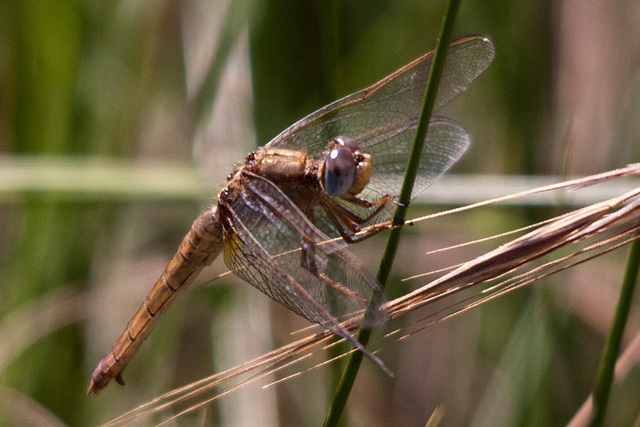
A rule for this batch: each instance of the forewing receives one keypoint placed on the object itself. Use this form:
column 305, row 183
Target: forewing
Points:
column 264, row 247
column 373, row 115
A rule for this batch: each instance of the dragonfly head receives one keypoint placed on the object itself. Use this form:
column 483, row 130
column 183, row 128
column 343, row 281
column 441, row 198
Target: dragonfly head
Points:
column 346, row 169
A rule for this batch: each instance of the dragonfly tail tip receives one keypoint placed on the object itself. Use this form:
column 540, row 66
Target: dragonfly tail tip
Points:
column 92, row 388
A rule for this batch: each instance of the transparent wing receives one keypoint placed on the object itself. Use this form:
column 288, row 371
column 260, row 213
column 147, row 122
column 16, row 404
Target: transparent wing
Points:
column 383, row 118
column 271, row 244
column 269, row 258
column 373, row 115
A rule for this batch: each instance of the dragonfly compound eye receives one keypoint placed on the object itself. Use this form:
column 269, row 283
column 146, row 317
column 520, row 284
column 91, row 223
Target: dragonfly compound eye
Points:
column 339, row 171
column 346, row 142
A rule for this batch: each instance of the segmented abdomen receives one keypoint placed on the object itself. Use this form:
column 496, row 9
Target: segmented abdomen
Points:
column 199, row 248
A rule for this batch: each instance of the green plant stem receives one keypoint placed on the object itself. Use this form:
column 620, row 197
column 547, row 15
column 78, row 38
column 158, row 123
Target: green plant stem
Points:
column 353, row 363
column 604, row 378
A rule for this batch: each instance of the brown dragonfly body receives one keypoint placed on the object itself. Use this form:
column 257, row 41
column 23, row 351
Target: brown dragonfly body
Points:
column 278, row 217
column 297, row 176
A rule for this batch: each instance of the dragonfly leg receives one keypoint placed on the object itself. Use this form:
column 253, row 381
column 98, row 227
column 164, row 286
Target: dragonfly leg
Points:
column 307, row 261
column 341, row 288
column 342, row 218
column 381, row 203
column 384, row 200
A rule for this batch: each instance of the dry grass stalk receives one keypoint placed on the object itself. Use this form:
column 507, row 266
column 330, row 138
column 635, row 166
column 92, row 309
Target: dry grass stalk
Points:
column 599, row 228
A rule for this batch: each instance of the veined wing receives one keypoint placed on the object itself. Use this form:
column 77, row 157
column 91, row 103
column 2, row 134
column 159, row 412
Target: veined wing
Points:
column 382, row 119
column 370, row 115
column 269, row 240
column 445, row 143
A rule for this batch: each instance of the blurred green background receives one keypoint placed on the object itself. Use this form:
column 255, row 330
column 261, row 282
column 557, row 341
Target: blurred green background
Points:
column 120, row 120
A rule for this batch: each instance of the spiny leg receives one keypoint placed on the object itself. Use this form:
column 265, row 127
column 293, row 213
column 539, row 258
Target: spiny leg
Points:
column 381, row 203
column 356, row 219
column 341, row 218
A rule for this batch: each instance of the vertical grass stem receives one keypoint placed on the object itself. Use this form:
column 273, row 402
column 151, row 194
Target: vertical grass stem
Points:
column 604, row 377
column 353, row 362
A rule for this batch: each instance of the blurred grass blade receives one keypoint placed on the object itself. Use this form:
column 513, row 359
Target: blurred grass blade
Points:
column 91, row 179
column 233, row 25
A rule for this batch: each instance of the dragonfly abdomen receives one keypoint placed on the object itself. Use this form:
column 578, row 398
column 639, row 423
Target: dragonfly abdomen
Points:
column 198, row 249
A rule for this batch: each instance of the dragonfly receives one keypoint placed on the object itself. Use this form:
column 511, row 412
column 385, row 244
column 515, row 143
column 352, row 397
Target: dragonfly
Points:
column 287, row 214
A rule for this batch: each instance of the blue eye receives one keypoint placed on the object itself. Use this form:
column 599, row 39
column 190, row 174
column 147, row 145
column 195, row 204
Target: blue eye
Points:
column 339, row 171
column 345, row 141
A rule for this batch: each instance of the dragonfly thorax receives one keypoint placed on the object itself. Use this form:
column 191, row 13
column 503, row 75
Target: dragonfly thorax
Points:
column 292, row 171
